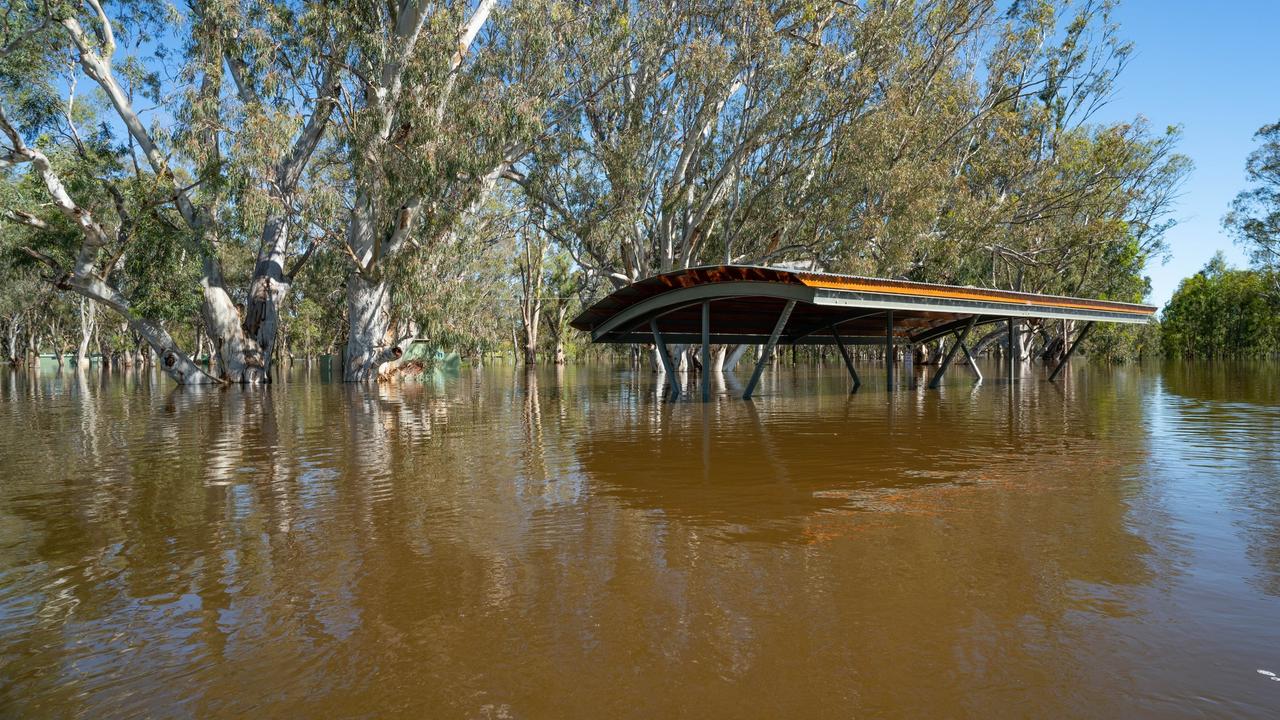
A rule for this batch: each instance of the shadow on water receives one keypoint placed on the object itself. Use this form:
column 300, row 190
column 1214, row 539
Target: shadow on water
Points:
column 565, row 541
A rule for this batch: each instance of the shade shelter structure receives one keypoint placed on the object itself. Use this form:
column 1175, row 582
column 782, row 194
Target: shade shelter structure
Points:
column 765, row 306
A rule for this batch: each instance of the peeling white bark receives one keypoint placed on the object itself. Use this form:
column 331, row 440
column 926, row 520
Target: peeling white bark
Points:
column 88, row 326
column 370, row 345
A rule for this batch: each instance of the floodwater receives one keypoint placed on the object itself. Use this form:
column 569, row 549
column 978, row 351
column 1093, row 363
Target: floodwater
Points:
column 568, row 543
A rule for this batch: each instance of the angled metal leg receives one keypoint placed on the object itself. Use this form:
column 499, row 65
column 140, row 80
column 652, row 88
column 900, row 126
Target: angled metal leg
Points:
column 706, row 351
column 888, row 349
column 973, row 365
column 668, row 366
column 951, row 353
column 767, row 351
column 848, row 362
column 1080, row 336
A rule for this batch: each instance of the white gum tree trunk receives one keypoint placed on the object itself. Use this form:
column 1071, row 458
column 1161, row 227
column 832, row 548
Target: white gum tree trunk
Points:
column 376, row 235
column 88, row 326
column 369, row 341
column 718, row 355
column 655, row 361
column 11, row 339
column 735, row 356
column 239, row 359
column 267, row 292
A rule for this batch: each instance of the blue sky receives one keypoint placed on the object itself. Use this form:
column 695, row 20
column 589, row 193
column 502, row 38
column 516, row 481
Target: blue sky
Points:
column 1214, row 68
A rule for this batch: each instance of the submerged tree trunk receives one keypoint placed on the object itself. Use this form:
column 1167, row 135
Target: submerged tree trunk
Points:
column 200, row 339
column 680, row 356
column 655, row 361
column 239, row 357
column 14, row 328
column 718, row 355
column 369, row 345
column 267, row 291
column 529, row 327
column 735, row 356
column 88, row 326
column 531, row 348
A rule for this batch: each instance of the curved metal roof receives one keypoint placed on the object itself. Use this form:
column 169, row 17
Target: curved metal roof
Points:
column 746, row 302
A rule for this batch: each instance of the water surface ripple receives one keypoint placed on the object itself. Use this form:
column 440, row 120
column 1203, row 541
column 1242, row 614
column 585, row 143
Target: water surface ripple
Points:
column 567, row 543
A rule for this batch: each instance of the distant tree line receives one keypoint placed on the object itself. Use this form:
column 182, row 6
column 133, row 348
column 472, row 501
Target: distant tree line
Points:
column 1223, row 312
column 221, row 185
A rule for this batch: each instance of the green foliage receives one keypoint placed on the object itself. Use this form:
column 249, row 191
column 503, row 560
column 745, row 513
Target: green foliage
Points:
column 1221, row 312
column 1125, row 343
column 1254, row 218
column 937, row 142
column 948, row 141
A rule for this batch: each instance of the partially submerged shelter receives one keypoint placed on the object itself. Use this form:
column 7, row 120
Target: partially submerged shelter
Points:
column 767, row 306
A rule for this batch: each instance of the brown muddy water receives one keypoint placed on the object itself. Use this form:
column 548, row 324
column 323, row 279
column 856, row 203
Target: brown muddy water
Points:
column 567, row 543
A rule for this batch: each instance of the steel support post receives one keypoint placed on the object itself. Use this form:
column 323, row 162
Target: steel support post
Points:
column 951, row 353
column 668, row 366
column 767, row 351
column 888, row 349
column 848, row 362
column 1080, row 336
column 706, row 351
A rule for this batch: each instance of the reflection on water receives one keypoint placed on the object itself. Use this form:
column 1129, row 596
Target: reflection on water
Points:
column 569, row 543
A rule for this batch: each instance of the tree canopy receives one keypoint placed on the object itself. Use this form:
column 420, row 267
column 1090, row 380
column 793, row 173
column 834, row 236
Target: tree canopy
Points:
column 233, row 177
column 1254, row 218
column 1221, row 312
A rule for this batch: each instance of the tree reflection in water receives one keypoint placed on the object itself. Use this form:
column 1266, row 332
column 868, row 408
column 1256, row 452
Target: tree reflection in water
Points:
column 567, row 541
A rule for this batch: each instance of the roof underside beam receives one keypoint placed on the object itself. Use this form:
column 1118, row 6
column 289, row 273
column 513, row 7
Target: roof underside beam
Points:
column 673, row 300
column 693, row 338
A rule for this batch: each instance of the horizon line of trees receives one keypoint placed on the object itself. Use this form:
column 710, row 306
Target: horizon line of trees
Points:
column 247, row 180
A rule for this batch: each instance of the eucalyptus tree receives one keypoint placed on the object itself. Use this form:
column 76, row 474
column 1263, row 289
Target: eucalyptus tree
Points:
column 457, row 293
column 563, row 284
column 931, row 140
column 530, row 261
column 223, row 166
column 1255, row 213
column 71, row 241
column 1223, row 312
column 1053, row 201
column 438, row 101
column 979, row 162
column 675, row 102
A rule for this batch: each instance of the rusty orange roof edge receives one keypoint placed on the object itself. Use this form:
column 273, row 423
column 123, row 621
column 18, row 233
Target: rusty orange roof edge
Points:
column 637, row 291
column 836, row 281
column 906, row 287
